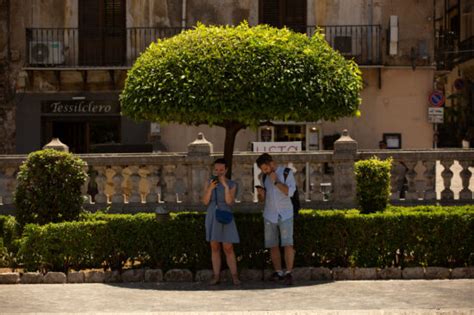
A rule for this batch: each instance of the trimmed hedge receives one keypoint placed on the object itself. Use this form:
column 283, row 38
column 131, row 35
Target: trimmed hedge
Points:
column 373, row 184
column 420, row 236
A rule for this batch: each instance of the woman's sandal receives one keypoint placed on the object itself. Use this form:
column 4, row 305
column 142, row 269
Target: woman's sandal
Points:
column 235, row 280
column 214, row 281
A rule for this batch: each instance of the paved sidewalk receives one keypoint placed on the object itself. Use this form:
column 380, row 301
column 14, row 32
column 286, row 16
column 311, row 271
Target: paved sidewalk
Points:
column 340, row 297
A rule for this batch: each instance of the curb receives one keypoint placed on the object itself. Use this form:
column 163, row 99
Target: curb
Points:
column 185, row 275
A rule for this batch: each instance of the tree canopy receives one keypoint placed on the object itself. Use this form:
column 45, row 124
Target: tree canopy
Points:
column 239, row 76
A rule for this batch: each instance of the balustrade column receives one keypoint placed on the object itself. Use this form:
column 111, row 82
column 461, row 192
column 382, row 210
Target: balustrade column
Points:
column 85, row 187
column 465, row 174
column 135, row 196
column 411, row 193
column 152, row 179
column 101, row 180
column 169, row 177
column 430, row 180
column 315, row 178
column 117, row 179
column 447, row 174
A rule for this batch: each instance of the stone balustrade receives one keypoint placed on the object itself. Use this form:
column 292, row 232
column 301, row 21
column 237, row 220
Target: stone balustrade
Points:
column 174, row 181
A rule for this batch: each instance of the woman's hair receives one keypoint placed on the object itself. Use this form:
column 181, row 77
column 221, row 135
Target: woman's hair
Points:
column 221, row 161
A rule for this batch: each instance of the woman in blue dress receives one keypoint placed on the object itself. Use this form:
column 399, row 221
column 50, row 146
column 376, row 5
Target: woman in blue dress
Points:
column 220, row 193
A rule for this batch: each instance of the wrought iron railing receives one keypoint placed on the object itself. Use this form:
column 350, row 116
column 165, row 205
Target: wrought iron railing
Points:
column 109, row 47
column 359, row 42
column 449, row 51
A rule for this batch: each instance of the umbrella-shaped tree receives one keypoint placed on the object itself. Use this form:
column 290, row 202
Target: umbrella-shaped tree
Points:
column 240, row 76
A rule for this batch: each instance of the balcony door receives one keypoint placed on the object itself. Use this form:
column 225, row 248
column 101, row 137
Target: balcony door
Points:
column 279, row 13
column 102, row 32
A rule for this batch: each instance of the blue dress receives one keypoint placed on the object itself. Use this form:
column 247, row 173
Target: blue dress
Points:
column 215, row 231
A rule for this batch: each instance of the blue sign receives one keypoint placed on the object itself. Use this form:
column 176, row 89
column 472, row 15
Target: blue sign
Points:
column 437, row 98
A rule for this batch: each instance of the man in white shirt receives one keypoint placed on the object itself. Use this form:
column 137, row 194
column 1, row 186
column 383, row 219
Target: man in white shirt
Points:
column 278, row 188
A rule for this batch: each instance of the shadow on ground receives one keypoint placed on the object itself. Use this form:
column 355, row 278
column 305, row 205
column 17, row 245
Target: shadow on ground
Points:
column 223, row 286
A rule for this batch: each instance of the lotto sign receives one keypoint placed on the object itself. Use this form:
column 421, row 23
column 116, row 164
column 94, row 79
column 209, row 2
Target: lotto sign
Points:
column 436, row 98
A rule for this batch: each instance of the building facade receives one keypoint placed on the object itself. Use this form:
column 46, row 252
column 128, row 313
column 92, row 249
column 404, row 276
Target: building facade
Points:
column 63, row 64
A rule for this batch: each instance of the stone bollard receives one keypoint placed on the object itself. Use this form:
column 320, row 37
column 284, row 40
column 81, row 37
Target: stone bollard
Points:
column 55, row 144
column 345, row 153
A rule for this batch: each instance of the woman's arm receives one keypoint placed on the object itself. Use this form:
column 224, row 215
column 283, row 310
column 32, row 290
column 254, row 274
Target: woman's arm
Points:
column 229, row 193
column 208, row 188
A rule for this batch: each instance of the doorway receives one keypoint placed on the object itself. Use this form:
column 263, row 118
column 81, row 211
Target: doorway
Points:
column 82, row 135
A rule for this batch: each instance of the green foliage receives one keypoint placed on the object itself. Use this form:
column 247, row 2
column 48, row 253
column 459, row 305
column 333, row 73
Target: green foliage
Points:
column 373, row 184
column 9, row 236
column 420, row 236
column 49, row 187
column 220, row 74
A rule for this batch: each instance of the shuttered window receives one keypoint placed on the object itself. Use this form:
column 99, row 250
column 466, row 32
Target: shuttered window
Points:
column 279, row 13
column 102, row 34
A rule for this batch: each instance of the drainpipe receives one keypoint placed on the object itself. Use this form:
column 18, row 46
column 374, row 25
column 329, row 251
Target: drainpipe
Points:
column 183, row 16
column 369, row 31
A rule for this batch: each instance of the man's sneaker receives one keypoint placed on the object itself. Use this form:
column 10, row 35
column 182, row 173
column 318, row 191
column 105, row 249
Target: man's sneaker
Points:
column 275, row 277
column 288, row 279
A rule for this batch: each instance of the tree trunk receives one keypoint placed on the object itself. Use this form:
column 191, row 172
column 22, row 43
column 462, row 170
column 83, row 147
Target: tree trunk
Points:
column 231, row 130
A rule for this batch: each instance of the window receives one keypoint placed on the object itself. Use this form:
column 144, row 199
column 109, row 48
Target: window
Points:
column 102, row 33
column 393, row 140
column 279, row 13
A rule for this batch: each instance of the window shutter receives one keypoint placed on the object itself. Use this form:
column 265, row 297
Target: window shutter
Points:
column 270, row 12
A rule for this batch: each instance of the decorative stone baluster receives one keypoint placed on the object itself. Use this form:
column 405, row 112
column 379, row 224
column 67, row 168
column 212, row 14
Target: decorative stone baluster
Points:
column 117, row 180
column 152, row 180
column 447, row 174
column 244, row 176
column 101, row 180
column 430, row 180
column 315, row 178
column 300, row 178
column 169, row 194
column 411, row 193
column 135, row 196
column 465, row 174
column 394, row 180
column 85, row 187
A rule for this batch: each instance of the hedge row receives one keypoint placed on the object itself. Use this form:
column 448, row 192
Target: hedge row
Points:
column 426, row 236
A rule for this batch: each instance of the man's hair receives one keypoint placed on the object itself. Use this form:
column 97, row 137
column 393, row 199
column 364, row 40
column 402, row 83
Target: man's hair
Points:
column 221, row 161
column 265, row 158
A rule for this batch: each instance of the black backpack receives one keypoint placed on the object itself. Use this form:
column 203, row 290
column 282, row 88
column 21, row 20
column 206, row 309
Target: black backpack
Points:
column 295, row 199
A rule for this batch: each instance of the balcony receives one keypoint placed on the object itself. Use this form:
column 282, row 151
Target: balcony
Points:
column 450, row 51
column 69, row 48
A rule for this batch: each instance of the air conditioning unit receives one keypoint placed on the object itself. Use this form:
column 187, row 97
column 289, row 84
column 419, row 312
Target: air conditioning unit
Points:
column 46, row 53
column 343, row 41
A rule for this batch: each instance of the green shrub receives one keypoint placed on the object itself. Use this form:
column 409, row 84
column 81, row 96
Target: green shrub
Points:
column 396, row 237
column 373, row 184
column 49, row 188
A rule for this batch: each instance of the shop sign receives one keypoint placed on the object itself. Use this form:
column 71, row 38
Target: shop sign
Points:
column 84, row 107
column 280, row 147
